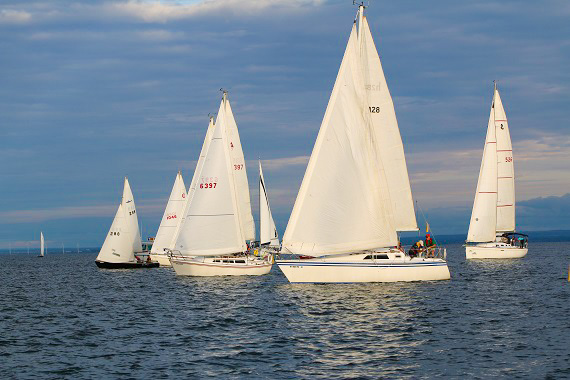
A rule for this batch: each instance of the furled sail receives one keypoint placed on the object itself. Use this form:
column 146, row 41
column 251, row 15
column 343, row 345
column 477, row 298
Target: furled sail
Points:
column 172, row 215
column 267, row 230
column 42, row 244
column 505, row 170
column 484, row 214
column 387, row 134
column 341, row 206
column 212, row 223
column 123, row 239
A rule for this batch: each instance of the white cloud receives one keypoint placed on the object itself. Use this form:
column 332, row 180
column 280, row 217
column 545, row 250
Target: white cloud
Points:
column 153, row 11
column 12, row 16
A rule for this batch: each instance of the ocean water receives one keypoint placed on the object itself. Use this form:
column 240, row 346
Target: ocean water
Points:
column 62, row 317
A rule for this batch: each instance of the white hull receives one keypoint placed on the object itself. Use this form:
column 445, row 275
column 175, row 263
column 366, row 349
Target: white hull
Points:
column 221, row 266
column 355, row 268
column 494, row 251
column 161, row 258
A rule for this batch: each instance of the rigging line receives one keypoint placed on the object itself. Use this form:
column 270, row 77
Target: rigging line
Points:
column 425, row 219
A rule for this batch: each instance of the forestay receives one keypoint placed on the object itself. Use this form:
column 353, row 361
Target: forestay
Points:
column 387, row 134
column 172, row 216
column 267, row 229
column 505, row 170
column 340, row 206
column 484, row 214
column 212, row 224
column 123, row 239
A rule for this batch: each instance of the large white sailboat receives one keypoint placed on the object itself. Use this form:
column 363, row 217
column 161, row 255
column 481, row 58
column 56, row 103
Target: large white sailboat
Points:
column 42, row 245
column 268, row 236
column 491, row 232
column 123, row 241
column 218, row 223
column 170, row 222
column 356, row 194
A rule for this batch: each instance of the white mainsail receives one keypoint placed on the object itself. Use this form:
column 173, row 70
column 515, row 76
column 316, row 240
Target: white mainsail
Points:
column 267, row 230
column 387, row 134
column 171, row 217
column 239, row 169
column 505, row 170
column 123, row 239
column 212, row 224
column 195, row 176
column 484, row 214
column 342, row 203
column 42, row 243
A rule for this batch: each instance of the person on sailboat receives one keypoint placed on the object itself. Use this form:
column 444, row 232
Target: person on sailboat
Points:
column 430, row 245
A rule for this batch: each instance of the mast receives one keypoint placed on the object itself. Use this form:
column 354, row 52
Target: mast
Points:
column 360, row 15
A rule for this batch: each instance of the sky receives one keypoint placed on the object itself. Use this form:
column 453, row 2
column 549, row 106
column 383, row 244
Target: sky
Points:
column 94, row 91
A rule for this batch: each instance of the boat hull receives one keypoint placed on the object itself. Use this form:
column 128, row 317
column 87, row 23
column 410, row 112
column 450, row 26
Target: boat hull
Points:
column 209, row 268
column 314, row 271
column 162, row 259
column 106, row 265
column 494, row 251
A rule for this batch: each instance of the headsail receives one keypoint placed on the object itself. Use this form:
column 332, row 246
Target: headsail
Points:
column 172, row 215
column 239, row 169
column 484, row 214
column 212, row 223
column 124, row 238
column 505, row 170
column 267, row 230
column 387, row 133
column 341, row 204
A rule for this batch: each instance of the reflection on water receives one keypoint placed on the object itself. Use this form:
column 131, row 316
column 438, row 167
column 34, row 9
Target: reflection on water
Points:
column 62, row 316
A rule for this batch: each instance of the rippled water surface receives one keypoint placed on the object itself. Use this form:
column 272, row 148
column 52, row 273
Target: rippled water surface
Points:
column 61, row 316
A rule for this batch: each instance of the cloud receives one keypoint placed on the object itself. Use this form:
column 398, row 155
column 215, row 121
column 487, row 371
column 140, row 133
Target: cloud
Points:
column 280, row 163
column 12, row 16
column 151, row 11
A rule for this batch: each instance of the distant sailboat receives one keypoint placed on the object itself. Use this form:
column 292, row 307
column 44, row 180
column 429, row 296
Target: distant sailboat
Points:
column 218, row 222
column 356, row 194
column 268, row 236
column 170, row 221
column 42, row 245
column 123, row 240
column 491, row 232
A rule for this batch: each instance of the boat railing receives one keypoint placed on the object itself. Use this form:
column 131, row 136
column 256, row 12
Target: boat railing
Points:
column 433, row 253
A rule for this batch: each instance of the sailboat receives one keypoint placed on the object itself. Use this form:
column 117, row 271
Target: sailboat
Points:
column 170, row 222
column 218, row 223
column 492, row 232
column 268, row 237
column 123, row 242
column 355, row 195
column 42, row 244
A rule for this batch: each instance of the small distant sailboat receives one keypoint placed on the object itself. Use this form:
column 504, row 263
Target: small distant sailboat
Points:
column 268, row 237
column 218, row 223
column 356, row 193
column 123, row 241
column 170, row 222
column 492, row 232
column 42, row 245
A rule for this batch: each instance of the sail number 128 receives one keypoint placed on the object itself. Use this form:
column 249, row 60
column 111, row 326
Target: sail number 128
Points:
column 374, row 109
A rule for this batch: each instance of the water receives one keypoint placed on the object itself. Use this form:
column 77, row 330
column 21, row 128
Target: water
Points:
column 61, row 316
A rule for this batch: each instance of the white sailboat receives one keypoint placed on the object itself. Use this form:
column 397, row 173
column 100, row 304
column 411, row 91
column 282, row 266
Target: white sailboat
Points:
column 123, row 241
column 356, row 195
column 170, row 222
column 218, row 222
column 42, row 245
column 268, row 236
column 491, row 232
